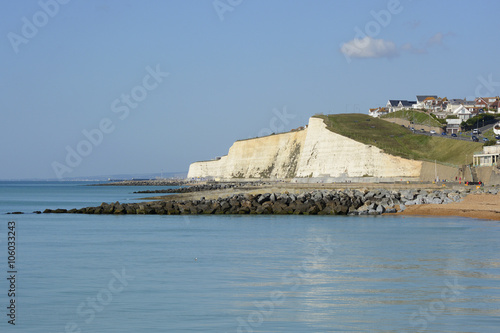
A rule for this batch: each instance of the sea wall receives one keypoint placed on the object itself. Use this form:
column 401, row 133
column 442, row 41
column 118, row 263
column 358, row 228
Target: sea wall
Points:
column 313, row 152
column 443, row 172
column 489, row 175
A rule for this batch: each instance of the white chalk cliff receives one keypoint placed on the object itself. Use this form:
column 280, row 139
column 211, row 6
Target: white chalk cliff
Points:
column 312, row 152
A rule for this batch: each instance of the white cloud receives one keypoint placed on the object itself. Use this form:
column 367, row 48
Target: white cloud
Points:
column 437, row 39
column 410, row 48
column 368, row 47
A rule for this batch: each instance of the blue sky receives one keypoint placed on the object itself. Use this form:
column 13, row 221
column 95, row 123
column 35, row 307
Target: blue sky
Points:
column 156, row 85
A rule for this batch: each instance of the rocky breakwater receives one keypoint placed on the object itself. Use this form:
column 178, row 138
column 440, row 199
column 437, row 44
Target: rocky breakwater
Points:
column 145, row 182
column 316, row 202
column 205, row 187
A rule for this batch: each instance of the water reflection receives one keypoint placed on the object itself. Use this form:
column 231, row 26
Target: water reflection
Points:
column 382, row 276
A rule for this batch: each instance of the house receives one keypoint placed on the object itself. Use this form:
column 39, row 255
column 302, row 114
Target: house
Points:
column 441, row 114
column 429, row 103
column 443, row 103
column 454, row 104
column 434, row 104
column 488, row 103
column 394, row 105
column 463, row 113
column 469, row 104
column 377, row 112
column 420, row 101
column 453, row 126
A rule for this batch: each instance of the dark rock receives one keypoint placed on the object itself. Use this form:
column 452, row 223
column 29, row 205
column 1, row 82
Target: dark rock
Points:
column 313, row 210
column 264, row 197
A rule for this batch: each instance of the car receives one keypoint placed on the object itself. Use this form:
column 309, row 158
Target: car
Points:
column 432, row 132
column 412, row 128
column 485, row 139
column 454, row 135
column 498, row 142
column 497, row 137
column 422, row 130
column 444, row 133
column 474, row 138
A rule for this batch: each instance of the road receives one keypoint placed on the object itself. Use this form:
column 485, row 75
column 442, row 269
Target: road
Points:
column 458, row 137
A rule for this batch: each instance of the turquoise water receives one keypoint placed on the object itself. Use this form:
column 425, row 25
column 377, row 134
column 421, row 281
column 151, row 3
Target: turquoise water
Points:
column 86, row 273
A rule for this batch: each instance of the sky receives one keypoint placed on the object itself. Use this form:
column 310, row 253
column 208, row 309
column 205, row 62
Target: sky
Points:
column 126, row 86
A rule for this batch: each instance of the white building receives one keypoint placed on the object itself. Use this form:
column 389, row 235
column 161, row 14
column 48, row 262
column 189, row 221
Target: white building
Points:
column 496, row 129
column 463, row 113
column 454, row 104
column 489, row 157
column 421, row 101
column 377, row 112
column 453, row 126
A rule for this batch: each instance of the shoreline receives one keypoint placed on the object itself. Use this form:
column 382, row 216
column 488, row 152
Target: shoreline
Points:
column 475, row 205
column 316, row 199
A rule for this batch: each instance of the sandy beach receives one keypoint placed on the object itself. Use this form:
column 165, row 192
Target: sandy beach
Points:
column 479, row 206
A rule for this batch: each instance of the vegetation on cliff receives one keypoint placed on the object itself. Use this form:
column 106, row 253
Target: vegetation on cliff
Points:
column 417, row 117
column 400, row 141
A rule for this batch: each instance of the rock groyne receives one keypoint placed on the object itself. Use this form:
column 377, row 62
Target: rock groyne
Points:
column 316, row 202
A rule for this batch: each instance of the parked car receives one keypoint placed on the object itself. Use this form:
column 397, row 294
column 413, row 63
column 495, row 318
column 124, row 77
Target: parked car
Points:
column 422, row 130
column 454, row 135
column 497, row 137
column 444, row 133
column 476, row 131
column 485, row 139
column 474, row 138
column 432, row 132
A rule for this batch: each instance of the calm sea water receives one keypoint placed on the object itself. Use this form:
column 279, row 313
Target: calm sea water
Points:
column 79, row 273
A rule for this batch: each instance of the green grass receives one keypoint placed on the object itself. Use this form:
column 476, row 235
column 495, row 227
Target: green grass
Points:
column 489, row 134
column 399, row 141
column 417, row 117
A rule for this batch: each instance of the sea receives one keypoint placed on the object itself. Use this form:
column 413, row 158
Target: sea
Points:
column 146, row 273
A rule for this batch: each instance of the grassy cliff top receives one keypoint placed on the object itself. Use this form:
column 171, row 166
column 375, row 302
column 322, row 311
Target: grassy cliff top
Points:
column 417, row 117
column 399, row 141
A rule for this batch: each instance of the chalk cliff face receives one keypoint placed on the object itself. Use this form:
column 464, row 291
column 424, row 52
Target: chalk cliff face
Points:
column 329, row 154
column 273, row 156
column 313, row 152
